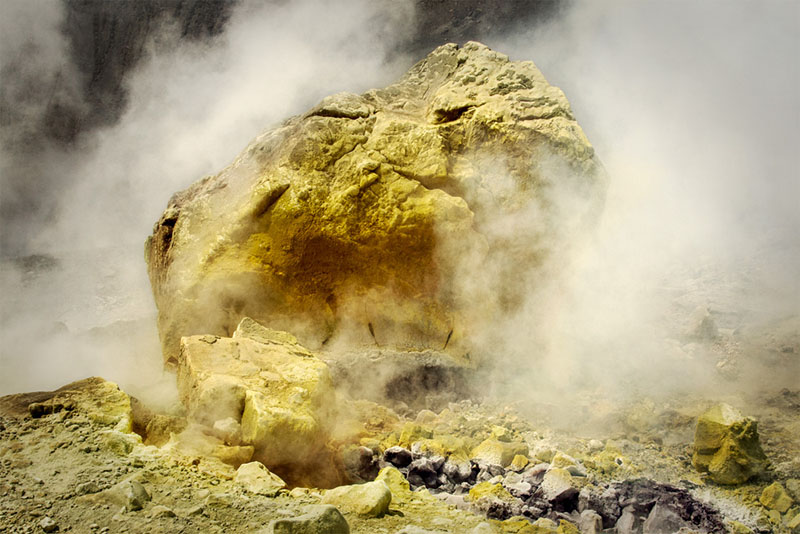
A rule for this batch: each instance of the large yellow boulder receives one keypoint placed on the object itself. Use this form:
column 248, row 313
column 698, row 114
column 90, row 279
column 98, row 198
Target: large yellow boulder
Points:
column 384, row 219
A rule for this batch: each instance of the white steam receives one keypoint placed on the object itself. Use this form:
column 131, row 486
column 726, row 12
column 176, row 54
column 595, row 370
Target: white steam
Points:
column 694, row 110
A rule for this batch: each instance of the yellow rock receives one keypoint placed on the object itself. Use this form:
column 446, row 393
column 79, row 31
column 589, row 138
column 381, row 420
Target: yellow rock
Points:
column 794, row 524
column 280, row 393
column 413, row 432
column 565, row 527
column 371, row 499
column 486, row 489
column 519, row 462
column 774, row 497
column 736, row 527
column 395, row 480
column 497, row 452
column 562, row 460
column 727, row 446
column 344, row 223
column 256, row 478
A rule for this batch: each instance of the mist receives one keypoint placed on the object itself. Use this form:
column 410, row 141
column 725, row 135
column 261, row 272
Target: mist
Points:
column 692, row 108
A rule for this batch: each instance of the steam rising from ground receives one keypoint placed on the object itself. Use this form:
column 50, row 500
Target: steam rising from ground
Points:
column 693, row 109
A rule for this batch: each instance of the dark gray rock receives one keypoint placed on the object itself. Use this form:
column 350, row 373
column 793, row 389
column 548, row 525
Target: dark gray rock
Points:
column 397, row 456
column 422, row 472
column 663, row 520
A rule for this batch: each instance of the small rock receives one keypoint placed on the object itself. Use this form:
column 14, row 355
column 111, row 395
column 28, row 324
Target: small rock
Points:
column 519, row 463
column 256, row 478
column 422, row 472
column 195, row 510
column 558, row 486
column 397, row 456
column 48, row 525
column 370, row 500
column 628, row 523
column 318, row 519
column 228, row 430
column 774, row 497
column 493, row 451
column 457, row 472
column 161, row 511
column 129, row 494
column 794, row 524
column 663, row 520
column 87, row 488
column 595, row 445
column 590, row 522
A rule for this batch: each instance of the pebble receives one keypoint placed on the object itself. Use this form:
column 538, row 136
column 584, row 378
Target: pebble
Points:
column 48, row 525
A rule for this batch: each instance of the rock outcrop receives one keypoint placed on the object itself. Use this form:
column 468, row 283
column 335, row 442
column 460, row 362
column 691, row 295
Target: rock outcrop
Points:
column 394, row 218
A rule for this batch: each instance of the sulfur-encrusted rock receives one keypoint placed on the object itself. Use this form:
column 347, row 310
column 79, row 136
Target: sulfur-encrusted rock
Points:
column 774, row 497
column 318, row 519
column 278, row 393
column 256, row 478
column 726, row 445
column 371, row 499
column 100, row 400
column 492, row 451
column 372, row 219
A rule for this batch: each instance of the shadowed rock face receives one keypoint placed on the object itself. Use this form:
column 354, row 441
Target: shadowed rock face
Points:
column 393, row 218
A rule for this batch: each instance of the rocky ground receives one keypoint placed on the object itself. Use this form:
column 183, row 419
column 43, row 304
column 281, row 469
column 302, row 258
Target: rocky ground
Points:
column 72, row 460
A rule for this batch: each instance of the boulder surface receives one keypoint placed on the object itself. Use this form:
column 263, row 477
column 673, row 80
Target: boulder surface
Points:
column 394, row 218
column 726, row 445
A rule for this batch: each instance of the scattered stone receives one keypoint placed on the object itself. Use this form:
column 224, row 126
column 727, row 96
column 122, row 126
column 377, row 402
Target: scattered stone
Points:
column 664, row 520
column 318, row 519
column 228, row 430
column 87, row 488
column 559, row 488
column 458, row 471
column 369, row 500
column 161, row 511
column 590, row 522
column 519, row 463
column 423, row 472
column 48, row 525
column 129, row 494
column 396, row 482
column 360, row 463
column 726, row 445
column 774, row 497
column 492, row 451
column 397, row 456
column 256, row 478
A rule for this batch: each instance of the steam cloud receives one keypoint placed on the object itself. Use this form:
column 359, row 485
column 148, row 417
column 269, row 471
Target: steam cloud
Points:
column 693, row 109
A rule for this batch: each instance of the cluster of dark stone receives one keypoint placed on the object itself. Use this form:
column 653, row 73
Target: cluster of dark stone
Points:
column 622, row 507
